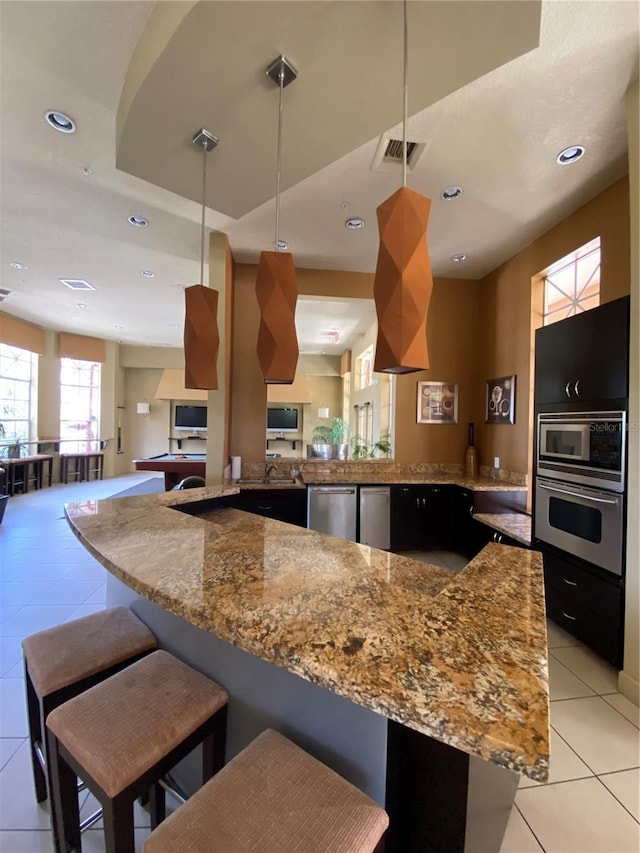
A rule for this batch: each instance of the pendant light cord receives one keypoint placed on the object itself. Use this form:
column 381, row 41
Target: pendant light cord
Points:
column 406, row 96
column 204, row 196
column 278, row 160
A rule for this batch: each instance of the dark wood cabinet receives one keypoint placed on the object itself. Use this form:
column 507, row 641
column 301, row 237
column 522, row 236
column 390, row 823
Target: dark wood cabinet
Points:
column 288, row 505
column 585, row 602
column 420, row 517
column 585, row 358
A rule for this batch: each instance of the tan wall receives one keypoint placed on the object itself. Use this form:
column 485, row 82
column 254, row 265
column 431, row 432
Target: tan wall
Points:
column 144, row 435
column 452, row 334
column 505, row 319
column 131, row 356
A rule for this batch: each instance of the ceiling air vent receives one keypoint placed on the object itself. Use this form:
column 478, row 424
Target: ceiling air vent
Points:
column 4, row 293
column 394, row 151
column 388, row 155
column 77, row 283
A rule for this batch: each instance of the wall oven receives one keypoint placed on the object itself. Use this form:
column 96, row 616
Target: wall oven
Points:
column 588, row 523
column 583, row 447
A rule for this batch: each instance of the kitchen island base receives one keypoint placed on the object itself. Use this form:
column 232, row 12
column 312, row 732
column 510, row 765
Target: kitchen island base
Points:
column 438, row 798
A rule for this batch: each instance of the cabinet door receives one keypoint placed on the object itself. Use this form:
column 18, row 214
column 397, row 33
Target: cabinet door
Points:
column 462, row 539
column 555, row 371
column 602, row 352
column 435, row 516
column 406, row 518
column 287, row 505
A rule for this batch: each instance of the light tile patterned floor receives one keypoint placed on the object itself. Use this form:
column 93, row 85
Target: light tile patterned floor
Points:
column 46, row 576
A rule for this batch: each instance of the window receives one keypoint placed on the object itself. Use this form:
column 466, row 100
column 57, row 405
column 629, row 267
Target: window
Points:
column 364, row 369
column 572, row 285
column 79, row 404
column 17, row 372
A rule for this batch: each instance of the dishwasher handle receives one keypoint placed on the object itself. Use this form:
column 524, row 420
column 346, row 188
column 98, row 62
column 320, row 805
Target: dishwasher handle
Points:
column 331, row 490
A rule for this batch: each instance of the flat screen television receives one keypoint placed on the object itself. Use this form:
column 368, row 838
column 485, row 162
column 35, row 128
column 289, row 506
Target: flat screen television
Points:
column 282, row 420
column 191, row 418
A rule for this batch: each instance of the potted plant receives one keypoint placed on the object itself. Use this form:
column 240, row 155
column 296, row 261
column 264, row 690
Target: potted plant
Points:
column 329, row 441
column 363, row 449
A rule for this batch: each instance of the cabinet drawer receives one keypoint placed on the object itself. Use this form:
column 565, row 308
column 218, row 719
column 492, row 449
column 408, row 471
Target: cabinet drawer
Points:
column 602, row 636
column 581, row 587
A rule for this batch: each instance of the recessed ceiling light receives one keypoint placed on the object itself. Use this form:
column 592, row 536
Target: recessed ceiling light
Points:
column 345, row 205
column 76, row 284
column 449, row 193
column 81, row 305
column 458, row 258
column 60, row 121
column 570, row 155
column 281, row 244
column 86, row 171
column 354, row 224
column 147, row 273
column 138, row 221
column 118, row 327
column 18, row 266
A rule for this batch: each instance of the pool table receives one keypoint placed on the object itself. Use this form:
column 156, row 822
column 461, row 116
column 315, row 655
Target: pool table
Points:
column 174, row 466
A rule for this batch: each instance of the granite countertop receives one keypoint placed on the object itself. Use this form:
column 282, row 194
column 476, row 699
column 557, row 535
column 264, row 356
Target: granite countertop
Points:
column 517, row 525
column 460, row 657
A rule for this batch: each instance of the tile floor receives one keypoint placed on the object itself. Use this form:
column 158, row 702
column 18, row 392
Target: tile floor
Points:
column 46, row 577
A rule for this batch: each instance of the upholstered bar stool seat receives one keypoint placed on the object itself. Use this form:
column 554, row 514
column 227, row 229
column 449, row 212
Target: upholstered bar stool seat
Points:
column 273, row 797
column 122, row 736
column 63, row 661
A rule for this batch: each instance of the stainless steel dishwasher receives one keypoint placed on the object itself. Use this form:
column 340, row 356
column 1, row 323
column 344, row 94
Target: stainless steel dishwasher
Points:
column 375, row 516
column 333, row 509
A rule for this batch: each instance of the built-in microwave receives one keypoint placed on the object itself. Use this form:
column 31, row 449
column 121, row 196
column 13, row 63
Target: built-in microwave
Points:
column 583, row 447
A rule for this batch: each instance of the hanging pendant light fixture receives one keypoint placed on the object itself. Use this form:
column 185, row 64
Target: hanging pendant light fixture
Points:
column 403, row 281
column 276, row 285
column 201, row 338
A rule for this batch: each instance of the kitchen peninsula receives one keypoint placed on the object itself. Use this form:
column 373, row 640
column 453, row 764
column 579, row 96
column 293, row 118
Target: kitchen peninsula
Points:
column 419, row 685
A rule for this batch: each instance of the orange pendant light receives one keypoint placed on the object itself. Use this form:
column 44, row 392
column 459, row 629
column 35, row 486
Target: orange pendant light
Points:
column 403, row 281
column 276, row 284
column 277, row 291
column 201, row 337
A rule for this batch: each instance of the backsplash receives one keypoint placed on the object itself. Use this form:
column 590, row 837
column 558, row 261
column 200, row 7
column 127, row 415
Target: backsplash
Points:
column 380, row 470
column 513, row 478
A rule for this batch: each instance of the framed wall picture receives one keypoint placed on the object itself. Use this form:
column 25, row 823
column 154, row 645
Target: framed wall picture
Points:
column 437, row 403
column 501, row 400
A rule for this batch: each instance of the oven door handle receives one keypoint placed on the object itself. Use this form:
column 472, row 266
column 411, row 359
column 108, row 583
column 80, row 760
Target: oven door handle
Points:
column 578, row 495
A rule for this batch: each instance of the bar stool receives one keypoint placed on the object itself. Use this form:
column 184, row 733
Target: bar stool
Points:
column 271, row 797
column 63, row 661
column 72, row 465
column 123, row 735
column 93, row 464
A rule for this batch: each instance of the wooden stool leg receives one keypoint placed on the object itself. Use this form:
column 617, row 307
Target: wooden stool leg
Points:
column 117, row 816
column 213, row 753
column 158, row 805
column 35, row 737
column 65, row 813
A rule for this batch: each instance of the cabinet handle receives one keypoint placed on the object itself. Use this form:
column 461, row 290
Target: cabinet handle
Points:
column 573, row 618
column 571, row 583
column 424, row 503
column 436, row 491
column 495, row 535
column 576, row 387
column 264, row 507
column 567, row 388
column 471, row 511
column 499, row 539
column 417, row 503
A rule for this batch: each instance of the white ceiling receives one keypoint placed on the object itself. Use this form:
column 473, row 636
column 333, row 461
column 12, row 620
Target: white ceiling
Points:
column 496, row 136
